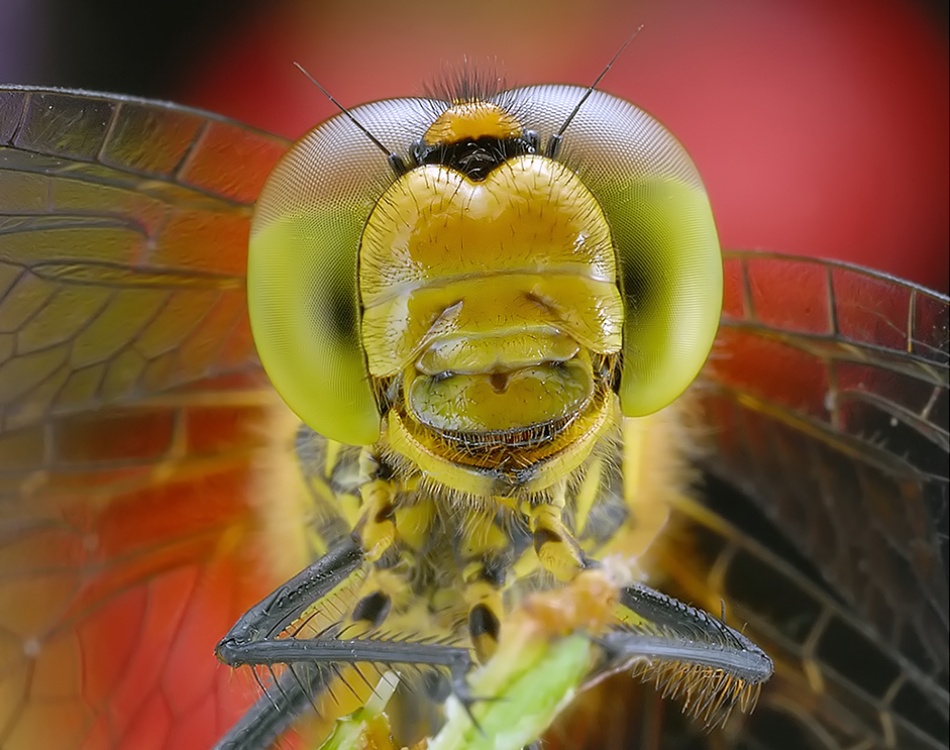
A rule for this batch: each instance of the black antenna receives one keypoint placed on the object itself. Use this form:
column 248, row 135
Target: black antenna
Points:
column 554, row 145
column 395, row 160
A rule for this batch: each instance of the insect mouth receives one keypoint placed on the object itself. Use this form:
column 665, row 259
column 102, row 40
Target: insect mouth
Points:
column 515, row 414
column 527, row 397
column 531, row 437
column 513, row 456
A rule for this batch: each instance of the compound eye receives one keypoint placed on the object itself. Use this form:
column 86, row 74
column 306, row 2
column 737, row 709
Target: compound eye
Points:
column 668, row 255
column 303, row 297
column 670, row 266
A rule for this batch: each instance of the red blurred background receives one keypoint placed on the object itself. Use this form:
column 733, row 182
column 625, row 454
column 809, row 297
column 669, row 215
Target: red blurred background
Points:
column 821, row 127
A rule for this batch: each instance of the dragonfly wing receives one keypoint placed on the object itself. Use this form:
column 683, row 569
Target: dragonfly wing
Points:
column 123, row 247
column 131, row 406
column 827, row 405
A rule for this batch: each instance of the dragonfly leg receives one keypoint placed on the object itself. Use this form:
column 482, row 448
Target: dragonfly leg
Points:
column 687, row 652
column 274, row 712
column 485, row 573
column 255, row 640
column 485, row 611
column 269, row 617
column 266, row 635
column 707, row 640
column 376, row 528
column 556, row 548
column 488, row 559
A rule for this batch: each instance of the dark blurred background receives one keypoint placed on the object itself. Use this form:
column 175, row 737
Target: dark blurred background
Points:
column 820, row 126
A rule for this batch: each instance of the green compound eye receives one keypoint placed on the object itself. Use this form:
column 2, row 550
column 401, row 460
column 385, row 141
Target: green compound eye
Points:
column 303, row 297
column 671, row 277
column 668, row 255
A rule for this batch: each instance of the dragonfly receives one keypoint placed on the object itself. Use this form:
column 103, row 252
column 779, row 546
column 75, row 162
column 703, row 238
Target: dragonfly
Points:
column 148, row 467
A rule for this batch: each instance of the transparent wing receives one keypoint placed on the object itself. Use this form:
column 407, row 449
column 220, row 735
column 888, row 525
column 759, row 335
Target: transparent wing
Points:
column 826, row 406
column 131, row 408
column 123, row 244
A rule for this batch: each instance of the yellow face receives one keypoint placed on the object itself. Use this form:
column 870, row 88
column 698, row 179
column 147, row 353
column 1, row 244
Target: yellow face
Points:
column 491, row 298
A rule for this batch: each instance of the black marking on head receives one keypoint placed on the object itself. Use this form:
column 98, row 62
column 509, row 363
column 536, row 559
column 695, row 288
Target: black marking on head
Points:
column 373, row 608
column 498, row 381
column 475, row 158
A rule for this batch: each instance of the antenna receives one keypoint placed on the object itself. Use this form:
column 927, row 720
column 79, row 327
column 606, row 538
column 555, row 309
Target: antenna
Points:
column 554, row 145
column 395, row 160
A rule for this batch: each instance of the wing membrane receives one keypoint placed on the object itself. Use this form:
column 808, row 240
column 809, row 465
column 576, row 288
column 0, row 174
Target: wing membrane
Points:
column 123, row 240
column 826, row 403
column 131, row 414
